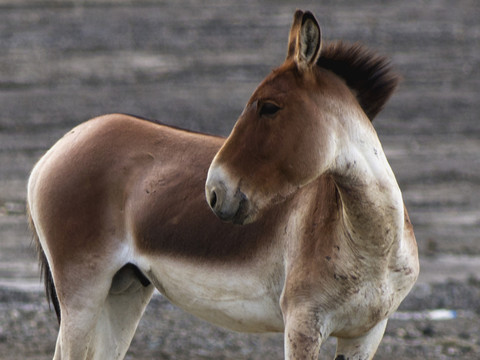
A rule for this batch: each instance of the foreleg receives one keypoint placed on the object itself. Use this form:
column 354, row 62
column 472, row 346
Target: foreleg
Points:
column 363, row 347
column 303, row 335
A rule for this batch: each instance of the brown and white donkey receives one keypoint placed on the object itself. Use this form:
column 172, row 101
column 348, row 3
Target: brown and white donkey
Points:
column 309, row 234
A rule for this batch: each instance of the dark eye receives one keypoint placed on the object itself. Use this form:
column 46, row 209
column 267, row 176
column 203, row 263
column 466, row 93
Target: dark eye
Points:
column 268, row 109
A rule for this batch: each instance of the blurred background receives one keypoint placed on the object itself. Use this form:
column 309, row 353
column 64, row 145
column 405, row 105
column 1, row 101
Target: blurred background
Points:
column 194, row 64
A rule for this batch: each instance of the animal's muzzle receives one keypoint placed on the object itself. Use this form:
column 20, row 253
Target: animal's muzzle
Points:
column 229, row 203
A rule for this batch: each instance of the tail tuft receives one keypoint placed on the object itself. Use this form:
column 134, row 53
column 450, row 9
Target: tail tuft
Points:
column 45, row 271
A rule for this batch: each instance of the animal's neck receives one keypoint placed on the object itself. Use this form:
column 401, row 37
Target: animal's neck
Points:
column 373, row 208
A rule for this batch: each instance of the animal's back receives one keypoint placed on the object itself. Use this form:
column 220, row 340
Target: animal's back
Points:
column 117, row 177
column 80, row 189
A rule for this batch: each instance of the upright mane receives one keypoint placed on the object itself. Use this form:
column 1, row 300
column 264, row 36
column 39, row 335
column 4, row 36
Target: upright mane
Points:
column 369, row 76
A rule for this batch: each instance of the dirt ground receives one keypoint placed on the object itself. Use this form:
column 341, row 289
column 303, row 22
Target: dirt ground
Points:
column 194, row 65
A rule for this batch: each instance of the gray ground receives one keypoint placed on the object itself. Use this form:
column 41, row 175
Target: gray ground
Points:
column 194, row 65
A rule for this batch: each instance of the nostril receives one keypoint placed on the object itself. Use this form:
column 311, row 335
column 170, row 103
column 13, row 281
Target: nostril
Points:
column 213, row 199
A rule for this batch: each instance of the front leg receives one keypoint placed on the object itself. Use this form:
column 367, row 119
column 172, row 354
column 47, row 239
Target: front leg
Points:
column 362, row 347
column 303, row 336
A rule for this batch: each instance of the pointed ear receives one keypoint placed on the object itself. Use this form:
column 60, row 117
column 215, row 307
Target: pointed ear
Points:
column 294, row 30
column 305, row 40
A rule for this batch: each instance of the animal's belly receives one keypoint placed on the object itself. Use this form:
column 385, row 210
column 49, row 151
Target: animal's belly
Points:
column 241, row 299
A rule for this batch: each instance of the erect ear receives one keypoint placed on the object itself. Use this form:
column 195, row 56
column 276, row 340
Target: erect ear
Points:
column 305, row 40
column 294, row 30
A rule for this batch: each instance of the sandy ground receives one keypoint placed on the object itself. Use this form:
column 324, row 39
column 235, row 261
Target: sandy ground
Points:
column 194, row 65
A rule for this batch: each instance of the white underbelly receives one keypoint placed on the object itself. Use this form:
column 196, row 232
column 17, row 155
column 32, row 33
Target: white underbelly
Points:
column 243, row 299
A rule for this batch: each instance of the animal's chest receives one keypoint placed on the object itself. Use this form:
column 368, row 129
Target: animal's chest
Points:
column 362, row 290
column 366, row 305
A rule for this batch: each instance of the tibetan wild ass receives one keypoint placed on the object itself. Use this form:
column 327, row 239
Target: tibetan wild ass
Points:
column 308, row 235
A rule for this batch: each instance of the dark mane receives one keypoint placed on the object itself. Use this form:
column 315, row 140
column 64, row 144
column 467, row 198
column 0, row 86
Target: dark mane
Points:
column 369, row 75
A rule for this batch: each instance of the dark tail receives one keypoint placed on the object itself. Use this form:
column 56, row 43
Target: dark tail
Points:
column 46, row 274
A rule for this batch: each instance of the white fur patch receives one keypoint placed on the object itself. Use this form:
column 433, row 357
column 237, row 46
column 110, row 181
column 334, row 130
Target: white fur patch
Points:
column 241, row 298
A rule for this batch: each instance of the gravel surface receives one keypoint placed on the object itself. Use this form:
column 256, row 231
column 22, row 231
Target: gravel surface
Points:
column 194, row 65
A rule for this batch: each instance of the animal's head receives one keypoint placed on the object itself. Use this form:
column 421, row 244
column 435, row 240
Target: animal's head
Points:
column 285, row 136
